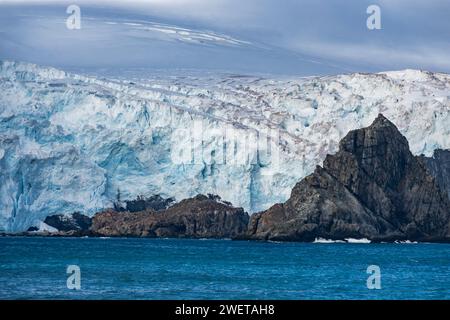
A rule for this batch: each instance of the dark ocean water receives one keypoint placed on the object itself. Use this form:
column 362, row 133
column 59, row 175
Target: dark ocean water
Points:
column 35, row 268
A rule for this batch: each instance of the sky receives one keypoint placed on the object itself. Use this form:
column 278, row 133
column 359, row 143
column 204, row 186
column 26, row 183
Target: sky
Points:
column 295, row 37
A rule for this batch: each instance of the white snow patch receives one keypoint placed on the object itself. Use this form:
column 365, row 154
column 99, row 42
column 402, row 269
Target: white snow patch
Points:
column 43, row 227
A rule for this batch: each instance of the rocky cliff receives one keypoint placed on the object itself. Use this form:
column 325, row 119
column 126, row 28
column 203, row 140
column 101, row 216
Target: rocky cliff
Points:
column 373, row 188
column 439, row 167
column 198, row 217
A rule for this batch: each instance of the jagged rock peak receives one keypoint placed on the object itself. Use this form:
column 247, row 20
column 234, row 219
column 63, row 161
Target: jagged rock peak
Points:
column 380, row 134
column 373, row 187
column 382, row 121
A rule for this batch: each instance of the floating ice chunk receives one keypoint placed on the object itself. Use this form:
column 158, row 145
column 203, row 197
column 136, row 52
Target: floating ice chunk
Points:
column 363, row 240
column 322, row 240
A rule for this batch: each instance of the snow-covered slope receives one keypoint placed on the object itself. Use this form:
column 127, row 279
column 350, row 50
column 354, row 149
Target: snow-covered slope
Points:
column 73, row 143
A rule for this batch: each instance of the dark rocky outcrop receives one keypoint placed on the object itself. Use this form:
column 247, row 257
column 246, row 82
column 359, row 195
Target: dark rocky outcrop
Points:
column 373, row 187
column 65, row 223
column 439, row 167
column 155, row 202
column 198, row 217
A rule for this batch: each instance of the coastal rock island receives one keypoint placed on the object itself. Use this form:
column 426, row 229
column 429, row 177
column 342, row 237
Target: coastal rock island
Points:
column 373, row 188
column 198, row 217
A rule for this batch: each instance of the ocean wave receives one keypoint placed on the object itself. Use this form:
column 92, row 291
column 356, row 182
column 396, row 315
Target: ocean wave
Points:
column 322, row 240
column 405, row 242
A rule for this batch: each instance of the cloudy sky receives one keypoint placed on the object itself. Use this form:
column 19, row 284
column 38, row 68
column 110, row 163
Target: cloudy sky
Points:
column 300, row 37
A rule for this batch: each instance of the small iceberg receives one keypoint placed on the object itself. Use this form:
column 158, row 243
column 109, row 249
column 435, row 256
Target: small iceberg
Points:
column 405, row 242
column 322, row 240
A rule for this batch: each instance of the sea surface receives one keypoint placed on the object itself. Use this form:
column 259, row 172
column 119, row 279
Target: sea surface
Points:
column 113, row 268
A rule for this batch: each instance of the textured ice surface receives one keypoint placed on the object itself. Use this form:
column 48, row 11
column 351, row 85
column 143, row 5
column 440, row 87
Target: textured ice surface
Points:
column 70, row 142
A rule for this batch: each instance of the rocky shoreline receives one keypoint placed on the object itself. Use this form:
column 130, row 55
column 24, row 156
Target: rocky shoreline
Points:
column 198, row 217
column 372, row 188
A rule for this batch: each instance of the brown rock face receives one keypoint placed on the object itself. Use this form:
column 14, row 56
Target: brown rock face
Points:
column 198, row 217
column 373, row 187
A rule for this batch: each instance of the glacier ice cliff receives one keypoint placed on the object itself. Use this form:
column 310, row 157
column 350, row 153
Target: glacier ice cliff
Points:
column 72, row 143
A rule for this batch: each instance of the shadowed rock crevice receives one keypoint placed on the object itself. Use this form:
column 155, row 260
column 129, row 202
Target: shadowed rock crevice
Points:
column 439, row 167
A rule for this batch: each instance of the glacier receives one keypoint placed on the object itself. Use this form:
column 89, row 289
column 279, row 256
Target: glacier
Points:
column 74, row 142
